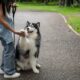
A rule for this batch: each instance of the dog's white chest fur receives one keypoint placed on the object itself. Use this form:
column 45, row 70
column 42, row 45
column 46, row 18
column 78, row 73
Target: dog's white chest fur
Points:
column 24, row 44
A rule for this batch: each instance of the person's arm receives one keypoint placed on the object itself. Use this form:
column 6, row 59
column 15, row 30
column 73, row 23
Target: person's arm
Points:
column 6, row 25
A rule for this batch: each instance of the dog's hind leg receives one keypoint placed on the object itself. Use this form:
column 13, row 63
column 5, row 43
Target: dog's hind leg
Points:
column 18, row 68
column 20, row 65
column 38, row 65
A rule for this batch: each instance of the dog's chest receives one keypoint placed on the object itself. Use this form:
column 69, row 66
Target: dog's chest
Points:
column 26, row 43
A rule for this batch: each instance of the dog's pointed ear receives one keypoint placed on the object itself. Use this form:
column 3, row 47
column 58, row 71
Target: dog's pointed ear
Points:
column 28, row 23
column 38, row 24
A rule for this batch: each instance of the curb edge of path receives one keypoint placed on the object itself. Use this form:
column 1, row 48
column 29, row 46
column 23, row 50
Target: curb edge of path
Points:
column 69, row 25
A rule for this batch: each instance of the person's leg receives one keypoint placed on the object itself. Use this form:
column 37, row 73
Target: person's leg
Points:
column 8, row 59
column 9, row 62
column 3, row 44
column 2, row 64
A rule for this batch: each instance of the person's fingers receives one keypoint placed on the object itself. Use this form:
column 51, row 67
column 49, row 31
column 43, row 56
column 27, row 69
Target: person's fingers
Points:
column 22, row 34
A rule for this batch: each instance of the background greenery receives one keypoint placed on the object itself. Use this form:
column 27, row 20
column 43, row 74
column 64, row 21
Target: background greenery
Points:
column 60, row 2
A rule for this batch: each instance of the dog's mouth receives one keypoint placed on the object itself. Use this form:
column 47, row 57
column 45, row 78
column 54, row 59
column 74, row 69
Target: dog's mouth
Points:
column 30, row 31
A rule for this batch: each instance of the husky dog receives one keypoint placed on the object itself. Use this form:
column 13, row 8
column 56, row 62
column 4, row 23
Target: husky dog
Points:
column 27, row 49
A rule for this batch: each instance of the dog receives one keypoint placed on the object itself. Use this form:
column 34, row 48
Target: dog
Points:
column 28, row 48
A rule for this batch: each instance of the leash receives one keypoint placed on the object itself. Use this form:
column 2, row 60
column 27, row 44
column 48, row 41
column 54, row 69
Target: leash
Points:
column 13, row 14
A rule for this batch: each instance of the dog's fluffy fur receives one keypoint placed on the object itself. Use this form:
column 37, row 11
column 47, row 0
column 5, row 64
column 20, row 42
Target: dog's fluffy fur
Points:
column 27, row 49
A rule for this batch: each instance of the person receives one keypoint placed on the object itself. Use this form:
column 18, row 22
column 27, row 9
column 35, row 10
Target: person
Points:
column 8, row 66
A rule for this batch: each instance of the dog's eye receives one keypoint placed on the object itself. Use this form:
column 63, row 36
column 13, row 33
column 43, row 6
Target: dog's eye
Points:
column 27, row 28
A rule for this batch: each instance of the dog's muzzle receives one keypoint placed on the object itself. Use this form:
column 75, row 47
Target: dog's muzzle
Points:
column 30, row 30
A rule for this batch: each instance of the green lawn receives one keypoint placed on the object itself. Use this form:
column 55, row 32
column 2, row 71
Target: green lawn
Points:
column 72, row 13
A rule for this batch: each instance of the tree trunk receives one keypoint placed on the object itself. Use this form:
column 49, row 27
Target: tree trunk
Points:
column 78, row 2
column 46, row 1
column 61, row 2
column 68, row 2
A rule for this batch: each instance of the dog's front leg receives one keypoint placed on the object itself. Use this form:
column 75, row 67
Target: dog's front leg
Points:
column 33, row 64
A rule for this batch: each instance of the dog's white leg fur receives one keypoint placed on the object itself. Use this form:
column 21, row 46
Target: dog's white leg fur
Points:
column 37, row 64
column 21, row 65
column 18, row 68
column 33, row 64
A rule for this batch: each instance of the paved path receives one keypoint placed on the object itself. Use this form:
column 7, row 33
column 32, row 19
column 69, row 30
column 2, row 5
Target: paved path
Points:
column 60, row 49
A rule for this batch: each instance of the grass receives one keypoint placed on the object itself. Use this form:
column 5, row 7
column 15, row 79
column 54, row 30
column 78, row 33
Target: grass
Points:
column 74, row 20
column 72, row 13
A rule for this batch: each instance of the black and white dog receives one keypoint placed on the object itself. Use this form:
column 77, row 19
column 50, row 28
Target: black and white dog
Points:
column 27, row 49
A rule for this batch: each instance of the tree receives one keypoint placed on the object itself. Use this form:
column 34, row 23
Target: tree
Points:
column 78, row 2
column 62, row 2
column 66, row 2
column 46, row 1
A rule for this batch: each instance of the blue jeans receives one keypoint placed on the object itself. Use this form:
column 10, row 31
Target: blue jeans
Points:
column 8, row 58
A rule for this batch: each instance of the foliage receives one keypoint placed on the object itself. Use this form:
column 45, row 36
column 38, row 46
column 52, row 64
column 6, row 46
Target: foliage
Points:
column 60, row 2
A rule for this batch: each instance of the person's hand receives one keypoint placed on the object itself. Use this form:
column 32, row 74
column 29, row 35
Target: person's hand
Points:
column 20, row 33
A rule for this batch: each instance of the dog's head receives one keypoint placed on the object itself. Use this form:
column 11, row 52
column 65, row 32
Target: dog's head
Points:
column 32, row 28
